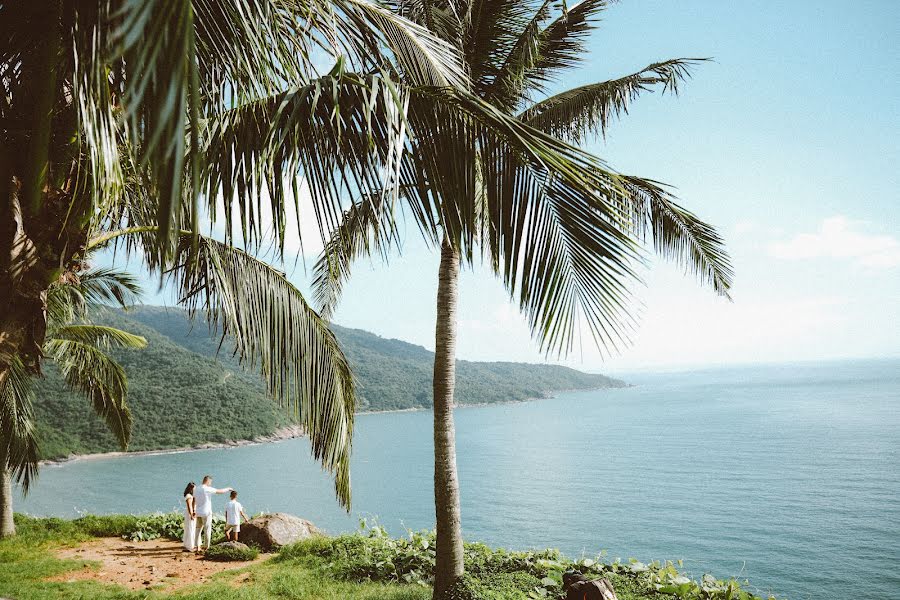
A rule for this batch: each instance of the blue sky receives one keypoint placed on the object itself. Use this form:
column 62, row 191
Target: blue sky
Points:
column 788, row 142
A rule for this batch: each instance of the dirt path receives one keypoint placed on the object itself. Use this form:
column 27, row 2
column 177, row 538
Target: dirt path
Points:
column 139, row 565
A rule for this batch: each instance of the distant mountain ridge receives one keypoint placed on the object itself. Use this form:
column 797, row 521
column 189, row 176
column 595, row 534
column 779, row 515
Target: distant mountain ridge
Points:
column 184, row 389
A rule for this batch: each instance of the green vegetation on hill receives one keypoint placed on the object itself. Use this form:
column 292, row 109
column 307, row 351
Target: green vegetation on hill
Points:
column 187, row 389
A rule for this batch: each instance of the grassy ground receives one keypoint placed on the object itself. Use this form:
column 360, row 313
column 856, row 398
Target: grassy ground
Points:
column 28, row 560
column 366, row 566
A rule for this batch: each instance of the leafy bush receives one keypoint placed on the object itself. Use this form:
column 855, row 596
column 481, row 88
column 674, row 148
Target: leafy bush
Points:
column 498, row 574
column 136, row 528
column 227, row 553
column 160, row 525
column 500, row 586
column 168, row 525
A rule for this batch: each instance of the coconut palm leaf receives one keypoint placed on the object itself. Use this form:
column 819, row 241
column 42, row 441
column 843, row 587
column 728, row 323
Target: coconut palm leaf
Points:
column 678, row 234
column 275, row 332
column 18, row 443
column 578, row 112
column 366, row 228
column 101, row 336
column 165, row 66
column 558, row 47
column 506, row 88
column 90, row 371
column 69, row 299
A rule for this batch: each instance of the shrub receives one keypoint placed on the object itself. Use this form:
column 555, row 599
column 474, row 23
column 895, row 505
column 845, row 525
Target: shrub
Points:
column 497, row 574
column 230, row 553
column 500, row 586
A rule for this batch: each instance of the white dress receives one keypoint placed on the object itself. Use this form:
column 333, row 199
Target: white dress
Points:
column 188, row 539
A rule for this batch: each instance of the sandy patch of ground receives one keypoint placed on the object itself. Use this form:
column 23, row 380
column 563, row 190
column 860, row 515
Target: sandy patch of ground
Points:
column 139, row 565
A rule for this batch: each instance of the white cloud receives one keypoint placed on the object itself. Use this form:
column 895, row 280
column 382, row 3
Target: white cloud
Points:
column 839, row 237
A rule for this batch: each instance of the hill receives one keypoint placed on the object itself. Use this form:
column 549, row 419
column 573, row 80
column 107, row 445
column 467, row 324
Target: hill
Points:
column 184, row 389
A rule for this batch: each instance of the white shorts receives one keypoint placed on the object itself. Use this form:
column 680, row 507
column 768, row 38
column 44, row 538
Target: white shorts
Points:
column 235, row 528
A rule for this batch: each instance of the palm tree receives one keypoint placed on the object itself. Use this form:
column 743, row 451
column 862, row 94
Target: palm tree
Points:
column 565, row 254
column 137, row 119
column 78, row 348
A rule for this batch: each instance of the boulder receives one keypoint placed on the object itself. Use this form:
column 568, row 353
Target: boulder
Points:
column 579, row 587
column 278, row 529
column 233, row 545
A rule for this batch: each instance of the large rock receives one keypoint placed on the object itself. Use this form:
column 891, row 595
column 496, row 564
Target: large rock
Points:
column 275, row 530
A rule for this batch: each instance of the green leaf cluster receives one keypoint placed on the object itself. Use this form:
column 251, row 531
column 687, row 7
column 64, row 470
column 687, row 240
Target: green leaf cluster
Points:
column 371, row 555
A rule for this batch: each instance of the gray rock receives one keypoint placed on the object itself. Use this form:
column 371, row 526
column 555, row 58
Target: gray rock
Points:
column 278, row 529
column 233, row 545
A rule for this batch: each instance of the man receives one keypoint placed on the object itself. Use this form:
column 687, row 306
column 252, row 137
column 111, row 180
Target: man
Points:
column 203, row 510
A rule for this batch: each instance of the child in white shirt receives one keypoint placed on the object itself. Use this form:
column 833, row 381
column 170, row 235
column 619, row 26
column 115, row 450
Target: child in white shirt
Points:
column 233, row 514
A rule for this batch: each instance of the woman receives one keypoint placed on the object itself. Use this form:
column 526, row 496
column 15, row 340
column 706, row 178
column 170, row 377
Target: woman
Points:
column 189, row 516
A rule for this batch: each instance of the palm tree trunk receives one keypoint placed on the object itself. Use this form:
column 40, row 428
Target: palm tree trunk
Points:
column 449, row 551
column 7, row 525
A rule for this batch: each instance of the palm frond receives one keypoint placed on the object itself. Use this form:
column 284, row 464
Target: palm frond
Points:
column 156, row 41
column 488, row 32
column 106, row 285
column 507, row 87
column 679, row 235
column 366, row 228
column 18, row 443
column 187, row 60
column 421, row 57
column 589, row 109
column 101, row 336
column 90, row 371
column 276, row 332
column 332, row 131
column 562, row 252
column 69, row 298
column 561, row 44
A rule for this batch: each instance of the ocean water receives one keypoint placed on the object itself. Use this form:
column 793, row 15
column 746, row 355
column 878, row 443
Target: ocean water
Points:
column 788, row 476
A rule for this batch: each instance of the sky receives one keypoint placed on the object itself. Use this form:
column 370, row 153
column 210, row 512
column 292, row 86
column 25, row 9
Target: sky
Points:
column 787, row 141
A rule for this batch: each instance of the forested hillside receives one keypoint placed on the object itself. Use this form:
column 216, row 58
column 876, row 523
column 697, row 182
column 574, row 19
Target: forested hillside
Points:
column 184, row 389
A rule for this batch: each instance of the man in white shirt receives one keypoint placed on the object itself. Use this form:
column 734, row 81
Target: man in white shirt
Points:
column 233, row 514
column 203, row 510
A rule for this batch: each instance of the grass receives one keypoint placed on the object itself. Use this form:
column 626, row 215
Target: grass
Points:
column 226, row 554
column 365, row 566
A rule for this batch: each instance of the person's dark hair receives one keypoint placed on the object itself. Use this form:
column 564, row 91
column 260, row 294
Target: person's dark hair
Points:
column 233, row 494
column 207, row 478
column 189, row 489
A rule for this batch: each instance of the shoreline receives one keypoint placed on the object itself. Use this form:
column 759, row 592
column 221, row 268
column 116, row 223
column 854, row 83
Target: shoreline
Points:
column 286, row 433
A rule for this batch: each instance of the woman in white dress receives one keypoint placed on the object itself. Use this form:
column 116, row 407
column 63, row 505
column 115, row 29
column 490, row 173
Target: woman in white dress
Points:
column 189, row 518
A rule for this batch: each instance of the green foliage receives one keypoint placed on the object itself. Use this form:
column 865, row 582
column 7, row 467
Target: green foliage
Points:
column 495, row 574
column 185, row 389
column 177, row 398
column 225, row 553
column 366, row 565
column 160, row 525
column 502, row 586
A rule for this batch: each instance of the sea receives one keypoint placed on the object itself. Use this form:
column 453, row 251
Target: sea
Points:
column 784, row 475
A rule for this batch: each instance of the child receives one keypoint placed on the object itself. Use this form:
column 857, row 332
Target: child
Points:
column 233, row 514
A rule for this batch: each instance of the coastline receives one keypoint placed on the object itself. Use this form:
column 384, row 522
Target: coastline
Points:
column 290, row 432
column 285, row 433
